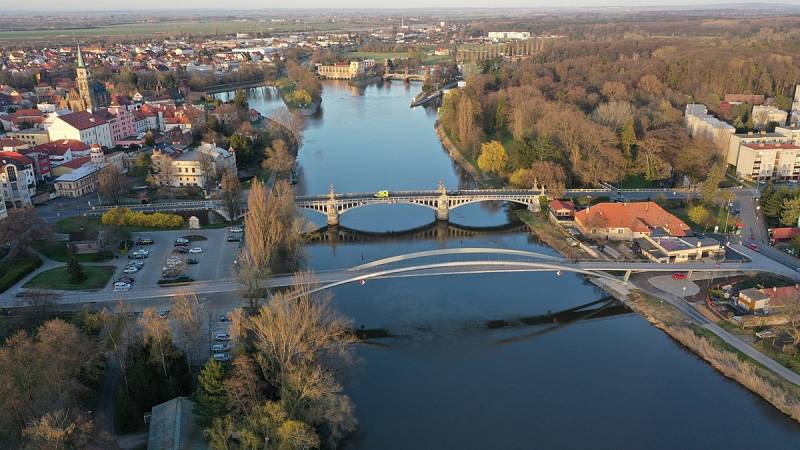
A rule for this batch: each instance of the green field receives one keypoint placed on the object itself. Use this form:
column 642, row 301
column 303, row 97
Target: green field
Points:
column 96, row 278
column 174, row 28
column 380, row 56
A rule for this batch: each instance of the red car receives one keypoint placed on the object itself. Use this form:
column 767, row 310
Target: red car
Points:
column 752, row 246
column 678, row 276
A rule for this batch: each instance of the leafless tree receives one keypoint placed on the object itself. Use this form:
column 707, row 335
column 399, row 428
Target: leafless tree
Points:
column 41, row 300
column 279, row 160
column 231, row 194
column 111, row 184
column 206, row 166
column 292, row 122
column 157, row 331
column 188, row 313
column 21, row 228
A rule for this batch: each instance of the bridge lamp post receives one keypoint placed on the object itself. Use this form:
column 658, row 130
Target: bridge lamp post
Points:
column 684, row 294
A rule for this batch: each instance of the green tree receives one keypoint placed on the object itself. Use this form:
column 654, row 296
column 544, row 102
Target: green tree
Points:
column 493, row 158
column 240, row 99
column 211, row 397
column 627, row 139
column 709, row 188
column 75, row 271
column 791, row 211
column 699, row 215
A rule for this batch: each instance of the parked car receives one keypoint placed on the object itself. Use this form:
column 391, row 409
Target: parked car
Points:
column 130, row 269
column 128, row 280
column 135, row 255
column 181, row 250
column 222, row 336
column 232, row 238
column 752, row 246
column 196, row 250
column 224, row 318
column 163, row 313
column 236, row 229
column 222, row 357
column 220, row 347
column 192, row 261
column 138, row 263
column 121, row 287
column 678, row 276
column 181, row 240
column 144, row 241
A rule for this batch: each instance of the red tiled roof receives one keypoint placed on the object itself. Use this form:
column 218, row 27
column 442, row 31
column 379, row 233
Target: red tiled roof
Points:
column 10, row 142
column 782, row 296
column 15, row 157
column 558, row 205
column 785, row 232
column 639, row 217
column 28, row 112
column 61, row 146
column 82, row 120
column 78, row 162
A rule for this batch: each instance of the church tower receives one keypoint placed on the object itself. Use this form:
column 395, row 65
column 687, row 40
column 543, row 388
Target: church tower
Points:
column 85, row 86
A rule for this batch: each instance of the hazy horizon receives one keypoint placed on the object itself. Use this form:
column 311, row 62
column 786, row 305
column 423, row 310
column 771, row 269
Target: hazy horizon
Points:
column 143, row 6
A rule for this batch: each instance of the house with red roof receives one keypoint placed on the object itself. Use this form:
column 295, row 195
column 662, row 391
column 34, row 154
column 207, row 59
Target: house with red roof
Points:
column 63, row 150
column 82, row 126
column 628, row 221
column 562, row 210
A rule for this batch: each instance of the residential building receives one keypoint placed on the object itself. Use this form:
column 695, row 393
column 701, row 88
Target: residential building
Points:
column 78, row 182
column 226, row 113
column 63, row 151
column 764, row 115
column 17, row 178
column 31, row 136
column 669, row 249
column 783, row 234
column 562, row 210
column 796, row 106
column 121, row 122
column 700, row 124
column 13, row 145
column 628, row 221
column 752, row 300
column 82, row 126
column 753, row 99
column 790, row 131
column 738, row 140
column 192, row 167
column 760, row 161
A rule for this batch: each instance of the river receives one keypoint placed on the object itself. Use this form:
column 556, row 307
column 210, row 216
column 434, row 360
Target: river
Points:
column 446, row 381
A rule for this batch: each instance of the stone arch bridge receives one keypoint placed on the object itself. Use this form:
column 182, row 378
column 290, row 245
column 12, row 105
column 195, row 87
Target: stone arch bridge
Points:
column 441, row 200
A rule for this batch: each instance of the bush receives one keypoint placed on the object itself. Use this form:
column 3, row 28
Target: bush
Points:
column 126, row 217
column 16, row 269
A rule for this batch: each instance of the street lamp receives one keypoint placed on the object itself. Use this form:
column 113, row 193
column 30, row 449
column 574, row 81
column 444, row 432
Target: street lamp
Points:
column 684, row 294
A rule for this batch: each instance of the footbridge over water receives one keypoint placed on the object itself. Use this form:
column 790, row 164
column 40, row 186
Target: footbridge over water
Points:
column 440, row 200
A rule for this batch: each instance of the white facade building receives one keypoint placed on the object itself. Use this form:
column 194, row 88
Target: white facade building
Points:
column 82, row 126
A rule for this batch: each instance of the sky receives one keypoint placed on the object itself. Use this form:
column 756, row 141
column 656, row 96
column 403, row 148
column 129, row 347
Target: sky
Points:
column 144, row 5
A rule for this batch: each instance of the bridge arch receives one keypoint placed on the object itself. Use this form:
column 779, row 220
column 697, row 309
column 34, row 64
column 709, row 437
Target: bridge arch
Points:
column 455, row 251
column 458, row 204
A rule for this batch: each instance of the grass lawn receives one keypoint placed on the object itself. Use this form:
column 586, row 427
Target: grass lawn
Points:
column 96, row 278
column 58, row 251
column 78, row 223
column 719, row 216
column 13, row 270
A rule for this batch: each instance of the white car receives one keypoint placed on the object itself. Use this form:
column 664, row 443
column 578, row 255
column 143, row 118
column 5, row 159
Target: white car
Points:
column 196, row 250
column 121, row 287
column 222, row 357
column 222, row 336
column 131, row 269
column 142, row 252
column 236, row 229
column 220, row 347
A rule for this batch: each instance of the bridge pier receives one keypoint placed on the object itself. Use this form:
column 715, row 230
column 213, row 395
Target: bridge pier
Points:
column 443, row 204
column 627, row 276
column 332, row 212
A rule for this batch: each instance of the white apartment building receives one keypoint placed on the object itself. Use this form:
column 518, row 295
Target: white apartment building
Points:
column 760, row 161
column 501, row 35
column 791, row 131
column 194, row 167
column 796, row 106
column 700, row 124
column 763, row 115
column 17, row 178
column 738, row 140
column 82, row 126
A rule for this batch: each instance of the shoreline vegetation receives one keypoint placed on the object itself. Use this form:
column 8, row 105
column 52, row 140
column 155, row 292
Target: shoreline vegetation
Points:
column 782, row 394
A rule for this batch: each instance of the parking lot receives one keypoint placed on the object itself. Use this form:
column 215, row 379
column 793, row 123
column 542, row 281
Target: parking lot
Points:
column 214, row 263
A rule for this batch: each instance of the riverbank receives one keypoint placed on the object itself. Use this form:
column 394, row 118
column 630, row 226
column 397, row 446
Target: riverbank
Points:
column 361, row 82
column 456, row 155
column 725, row 359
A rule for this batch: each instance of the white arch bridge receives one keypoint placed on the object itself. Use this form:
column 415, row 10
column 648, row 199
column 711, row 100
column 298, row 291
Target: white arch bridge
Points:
column 439, row 200
column 461, row 261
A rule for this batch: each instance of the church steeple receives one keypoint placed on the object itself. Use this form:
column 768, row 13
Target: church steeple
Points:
column 80, row 57
column 85, row 85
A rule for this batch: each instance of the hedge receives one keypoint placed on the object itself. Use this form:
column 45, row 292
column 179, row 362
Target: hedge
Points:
column 16, row 269
column 126, row 217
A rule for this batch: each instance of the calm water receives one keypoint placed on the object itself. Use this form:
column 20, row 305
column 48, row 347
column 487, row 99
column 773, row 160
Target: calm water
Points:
column 445, row 381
